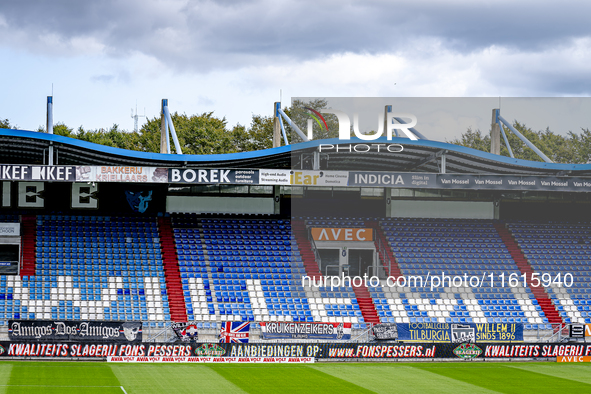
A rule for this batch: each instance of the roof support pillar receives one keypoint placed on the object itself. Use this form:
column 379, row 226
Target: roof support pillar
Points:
column 50, row 127
column 495, row 133
column 525, row 140
column 428, row 159
column 276, row 125
column 164, row 143
column 387, row 110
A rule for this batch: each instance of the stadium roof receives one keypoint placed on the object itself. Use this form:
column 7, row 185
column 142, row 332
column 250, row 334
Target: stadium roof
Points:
column 28, row 147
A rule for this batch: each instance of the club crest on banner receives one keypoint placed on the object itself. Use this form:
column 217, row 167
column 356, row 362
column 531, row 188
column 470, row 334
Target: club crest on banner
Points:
column 131, row 330
column 138, row 201
column 210, row 350
column 461, row 333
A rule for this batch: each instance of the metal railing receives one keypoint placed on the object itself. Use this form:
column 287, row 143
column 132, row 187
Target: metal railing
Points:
column 163, row 335
column 313, row 246
column 558, row 333
column 337, row 266
column 383, row 257
column 365, row 336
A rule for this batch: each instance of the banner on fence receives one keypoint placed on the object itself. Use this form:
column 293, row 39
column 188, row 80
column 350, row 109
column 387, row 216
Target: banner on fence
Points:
column 579, row 330
column 573, row 359
column 385, row 331
column 121, row 174
column 234, row 332
column 318, row 351
column 460, row 332
column 56, row 330
column 186, row 331
column 213, row 176
column 281, row 330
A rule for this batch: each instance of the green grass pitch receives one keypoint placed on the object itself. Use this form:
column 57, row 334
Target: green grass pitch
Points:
column 100, row 377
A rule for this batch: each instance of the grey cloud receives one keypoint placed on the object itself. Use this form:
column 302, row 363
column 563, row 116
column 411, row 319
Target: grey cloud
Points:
column 103, row 78
column 203, row 100
column 120, row 77
column 200, row 30
column 205, row 35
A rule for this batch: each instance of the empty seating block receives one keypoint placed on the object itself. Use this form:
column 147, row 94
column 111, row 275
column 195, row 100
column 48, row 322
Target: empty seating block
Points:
column 242, row 269
column 92, row 267
column 562, row 251
column 239, row 269
column 453, row 247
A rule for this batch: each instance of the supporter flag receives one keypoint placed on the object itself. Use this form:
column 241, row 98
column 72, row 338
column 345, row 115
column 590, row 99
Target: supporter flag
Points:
column 234, row 332
column 186, row 331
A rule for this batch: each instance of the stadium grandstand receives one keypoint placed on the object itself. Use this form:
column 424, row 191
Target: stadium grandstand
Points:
column 105, row 234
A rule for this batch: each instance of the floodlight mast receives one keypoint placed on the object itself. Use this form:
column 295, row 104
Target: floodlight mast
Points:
column 135, row 118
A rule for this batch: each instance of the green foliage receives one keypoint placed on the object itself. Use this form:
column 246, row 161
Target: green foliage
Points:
column 473, row 139
column 254, row 138
column 112, row 137
column 62, row 129
column 205, row 133
column 579, row 145
column 59, row 129
column 572, row 148
column 5, row 124
column 300, row 116
column 197, row 134
column 259, row 135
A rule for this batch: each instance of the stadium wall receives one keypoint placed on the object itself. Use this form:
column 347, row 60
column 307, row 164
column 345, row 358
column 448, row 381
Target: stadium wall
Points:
column 245, row 205
column 566, row 209
column 442, row 209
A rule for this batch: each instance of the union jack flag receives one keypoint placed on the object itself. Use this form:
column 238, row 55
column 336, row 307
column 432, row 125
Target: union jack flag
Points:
column 234, row 332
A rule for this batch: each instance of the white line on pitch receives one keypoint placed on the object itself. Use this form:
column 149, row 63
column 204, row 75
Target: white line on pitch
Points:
column 52, row 385
column 123, row 389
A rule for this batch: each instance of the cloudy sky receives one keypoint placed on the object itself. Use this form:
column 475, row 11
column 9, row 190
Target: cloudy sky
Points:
column 234, row 57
